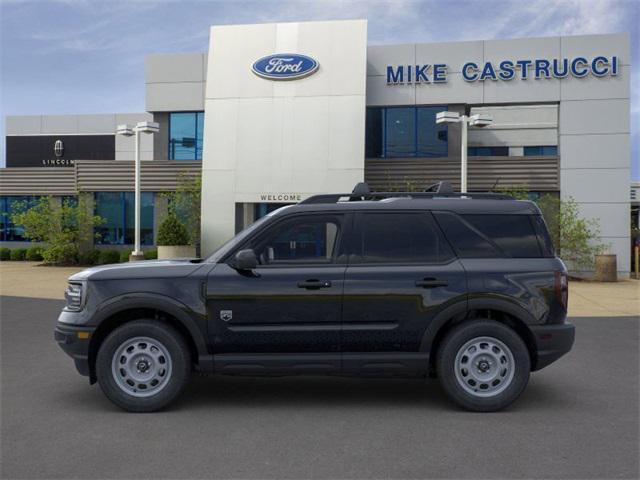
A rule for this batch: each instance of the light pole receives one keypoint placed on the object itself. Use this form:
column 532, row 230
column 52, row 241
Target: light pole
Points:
column 128, row 131
column 477, row 120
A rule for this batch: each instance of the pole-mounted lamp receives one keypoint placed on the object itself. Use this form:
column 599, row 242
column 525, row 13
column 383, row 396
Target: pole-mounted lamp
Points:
column 128, row 131
column 477, row 120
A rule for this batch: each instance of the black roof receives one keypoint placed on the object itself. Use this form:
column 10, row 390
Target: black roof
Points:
column 438, row 197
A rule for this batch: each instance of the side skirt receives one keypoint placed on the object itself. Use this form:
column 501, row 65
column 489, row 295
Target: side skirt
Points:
column 379, row 364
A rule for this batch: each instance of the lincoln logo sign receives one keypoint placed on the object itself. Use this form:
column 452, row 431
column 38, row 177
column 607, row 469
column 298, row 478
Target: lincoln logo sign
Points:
column 58, row 148
column 505, row 70
column 285, row 66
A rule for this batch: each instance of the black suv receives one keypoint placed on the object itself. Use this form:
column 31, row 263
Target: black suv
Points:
column 465, row 287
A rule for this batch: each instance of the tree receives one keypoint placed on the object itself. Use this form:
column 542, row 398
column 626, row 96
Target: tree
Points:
column 184, row 203
column 63, row 227
column 577, row 239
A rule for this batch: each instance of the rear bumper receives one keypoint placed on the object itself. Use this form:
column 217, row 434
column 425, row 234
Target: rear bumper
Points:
column 552, row 342
column 75, row 343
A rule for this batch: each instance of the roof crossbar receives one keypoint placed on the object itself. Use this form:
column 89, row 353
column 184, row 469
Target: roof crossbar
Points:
column 361, row 192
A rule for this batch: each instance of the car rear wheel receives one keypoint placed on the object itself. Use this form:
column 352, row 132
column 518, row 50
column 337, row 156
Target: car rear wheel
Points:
column 483, row 365
column 143, row 365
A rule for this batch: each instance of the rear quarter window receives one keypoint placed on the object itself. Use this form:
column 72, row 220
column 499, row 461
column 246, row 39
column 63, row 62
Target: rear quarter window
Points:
column 491, row 235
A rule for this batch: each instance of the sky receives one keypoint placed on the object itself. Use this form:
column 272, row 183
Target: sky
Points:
column 87, row 56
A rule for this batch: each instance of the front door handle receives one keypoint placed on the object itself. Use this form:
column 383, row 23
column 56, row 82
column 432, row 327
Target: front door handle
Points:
column 314, row 284
column 431, row 283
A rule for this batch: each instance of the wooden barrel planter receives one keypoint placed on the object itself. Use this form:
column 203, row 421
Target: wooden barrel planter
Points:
column 606, row 268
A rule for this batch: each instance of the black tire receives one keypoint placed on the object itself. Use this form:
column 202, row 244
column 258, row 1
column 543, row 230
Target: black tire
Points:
column 452, row 344
column 176, row 378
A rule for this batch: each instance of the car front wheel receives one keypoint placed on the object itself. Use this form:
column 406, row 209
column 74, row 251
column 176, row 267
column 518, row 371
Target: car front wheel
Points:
column 143, row 365
column 483, row 365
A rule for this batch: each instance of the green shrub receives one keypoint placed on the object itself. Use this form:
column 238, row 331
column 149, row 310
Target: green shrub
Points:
column 34, row 254
column 124, row 256
column 151, row 254
column 172, row 232
column 64, row 227
column 109, row 256
column 61, row 254
column 90, row 257
column 18, row 254
column 5, row 254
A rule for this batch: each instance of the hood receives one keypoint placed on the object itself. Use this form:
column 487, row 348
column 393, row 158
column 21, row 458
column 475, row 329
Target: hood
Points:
column 143, row 269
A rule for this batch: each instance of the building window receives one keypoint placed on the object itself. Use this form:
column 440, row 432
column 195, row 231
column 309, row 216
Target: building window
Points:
column 185, row 135
column 9, row 232
column 488, row 151
column 541, row 151
column 117, row 209
column 393, row 132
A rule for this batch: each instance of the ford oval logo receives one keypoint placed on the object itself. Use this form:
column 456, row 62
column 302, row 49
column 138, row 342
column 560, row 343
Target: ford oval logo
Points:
column 285, row 66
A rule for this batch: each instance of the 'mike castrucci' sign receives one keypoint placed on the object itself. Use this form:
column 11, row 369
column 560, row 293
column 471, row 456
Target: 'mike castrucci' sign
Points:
column 285, row 66
column 506, row 70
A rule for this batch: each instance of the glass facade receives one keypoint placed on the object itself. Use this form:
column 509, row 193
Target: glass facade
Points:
column 117, row 209
column 405, row 132
column 185, row 135
column 488, row 151
column 541, row 151
column 9, row 232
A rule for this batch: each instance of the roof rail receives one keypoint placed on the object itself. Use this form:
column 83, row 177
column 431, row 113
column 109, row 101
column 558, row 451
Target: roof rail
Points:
column 362, row 192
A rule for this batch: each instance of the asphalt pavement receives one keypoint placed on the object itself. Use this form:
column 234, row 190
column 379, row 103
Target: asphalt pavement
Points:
column 578, row 418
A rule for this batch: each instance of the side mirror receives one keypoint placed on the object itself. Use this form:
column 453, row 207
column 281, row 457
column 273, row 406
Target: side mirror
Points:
column 245, row 260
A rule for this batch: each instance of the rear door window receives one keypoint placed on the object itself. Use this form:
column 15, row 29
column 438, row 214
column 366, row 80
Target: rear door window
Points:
column 400, row 237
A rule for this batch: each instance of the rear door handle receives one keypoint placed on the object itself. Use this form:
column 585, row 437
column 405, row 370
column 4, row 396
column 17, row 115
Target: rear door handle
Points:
column 314, row 284
column 431, row 283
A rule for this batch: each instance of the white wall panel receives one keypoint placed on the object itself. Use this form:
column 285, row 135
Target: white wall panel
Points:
column 23, row 125
column 594, row 117
column 270, row 137
column 174, row 68
column 595, row 151
column 596, row 185
column 174, row 97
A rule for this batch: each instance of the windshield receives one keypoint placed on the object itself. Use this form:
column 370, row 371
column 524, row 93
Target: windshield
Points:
column 230, row 244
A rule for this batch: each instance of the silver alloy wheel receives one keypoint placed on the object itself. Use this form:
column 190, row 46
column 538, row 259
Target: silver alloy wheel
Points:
column 141, row 366
column 484, row 366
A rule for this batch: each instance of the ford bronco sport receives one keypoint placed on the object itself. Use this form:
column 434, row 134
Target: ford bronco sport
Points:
column 465, row 287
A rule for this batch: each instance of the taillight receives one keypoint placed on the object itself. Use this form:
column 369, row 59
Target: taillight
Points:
column 562, row 289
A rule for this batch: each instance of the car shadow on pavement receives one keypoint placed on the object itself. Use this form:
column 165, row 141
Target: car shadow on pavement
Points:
column 329, row 392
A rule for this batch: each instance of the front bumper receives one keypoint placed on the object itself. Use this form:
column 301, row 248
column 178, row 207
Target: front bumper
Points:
column 552, row 342
column 75, row 343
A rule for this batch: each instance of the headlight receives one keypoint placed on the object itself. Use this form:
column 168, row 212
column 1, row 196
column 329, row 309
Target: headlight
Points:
column 74, row 295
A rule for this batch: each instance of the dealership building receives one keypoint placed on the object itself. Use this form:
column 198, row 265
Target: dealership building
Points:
column 274, row 113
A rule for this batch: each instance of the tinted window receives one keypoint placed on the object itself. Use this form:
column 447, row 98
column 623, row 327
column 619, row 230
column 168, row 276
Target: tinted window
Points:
column 514, row 234
column 405, row 132
column 400, row 132
column 117, row 211
column 467, row 242
column 541, row 151
column 373, row 137
column 185, row 135
column 301, row 240
column 488, row 151
column 401, row 238
column 10, row 232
